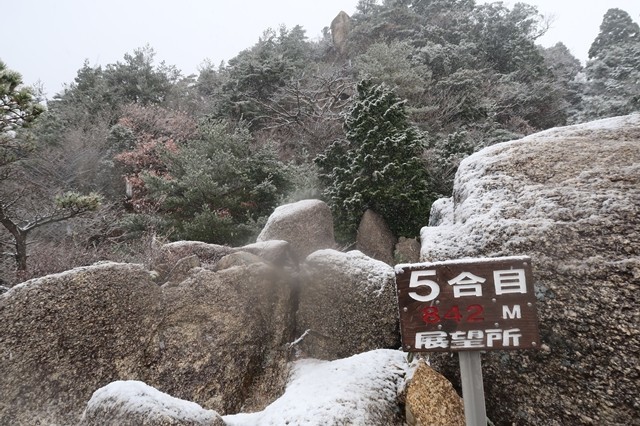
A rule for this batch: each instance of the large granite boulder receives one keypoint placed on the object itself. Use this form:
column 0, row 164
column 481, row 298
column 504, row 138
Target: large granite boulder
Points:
column 65, row 335
column 307, row 225
column 374, row 237
column 135, row 403
column 570, row 199
column 347, row 305
column 218, row 339
column 221, row 340
column 362, row 390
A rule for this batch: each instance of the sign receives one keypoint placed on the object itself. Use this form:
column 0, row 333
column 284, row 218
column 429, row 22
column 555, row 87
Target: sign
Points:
column 467, row 305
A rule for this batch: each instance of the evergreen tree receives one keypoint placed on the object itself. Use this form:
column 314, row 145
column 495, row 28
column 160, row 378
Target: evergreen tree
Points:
column 613, row 75
column 617, row 28
column 216, row 187
column 25, row 205
column 378, row 166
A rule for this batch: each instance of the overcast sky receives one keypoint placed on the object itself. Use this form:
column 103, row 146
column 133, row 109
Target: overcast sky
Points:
column 49, row 40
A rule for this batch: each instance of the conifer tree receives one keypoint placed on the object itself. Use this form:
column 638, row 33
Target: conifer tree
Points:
column 617, row 28
column 378, row 166
column 613, row 72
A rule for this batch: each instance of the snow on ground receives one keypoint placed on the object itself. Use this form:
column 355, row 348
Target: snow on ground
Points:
column 357, row 391
column 137, row 400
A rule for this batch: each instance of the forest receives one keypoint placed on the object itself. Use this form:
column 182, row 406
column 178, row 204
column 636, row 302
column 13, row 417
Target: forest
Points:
column 134, row 154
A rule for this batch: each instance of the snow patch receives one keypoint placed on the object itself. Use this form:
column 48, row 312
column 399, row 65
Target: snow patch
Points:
column 139, row 399
column 344, row 391
column 355, row 263
column 95, row 267
column 290, row 209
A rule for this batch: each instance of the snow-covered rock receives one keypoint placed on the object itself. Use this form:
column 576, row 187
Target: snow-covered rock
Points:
column 362, row 390
column 570, row 199
column 307, row 225
column 217, row 338
column 347, row 305
column 135, row 403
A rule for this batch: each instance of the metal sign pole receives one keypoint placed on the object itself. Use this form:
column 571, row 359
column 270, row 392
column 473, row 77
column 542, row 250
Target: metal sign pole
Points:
column 472, row 389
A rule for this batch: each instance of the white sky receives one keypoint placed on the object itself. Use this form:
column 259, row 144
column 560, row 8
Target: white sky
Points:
column 49, row 40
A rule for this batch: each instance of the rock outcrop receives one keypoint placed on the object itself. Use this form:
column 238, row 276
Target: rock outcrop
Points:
column 135, row 403
column 66, row 335
column 307, row 225
column 340, row 27
column 347, row 305
column 570, row 199
column 217, row 338
column 374, row 237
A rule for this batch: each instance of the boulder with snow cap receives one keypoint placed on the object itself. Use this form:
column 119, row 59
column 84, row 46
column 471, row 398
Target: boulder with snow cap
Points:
column 135, row 403
column 570, row 199
column 347, row 305
column 65, row 335
column 307, row 225
column 217, row 338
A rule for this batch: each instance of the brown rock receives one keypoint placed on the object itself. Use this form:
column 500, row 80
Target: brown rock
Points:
column 222, row 340
column 375, row 239
column 169, row 254
column 340, row 27
column 307, row 225
column 239, row 258
column 432, row 401
column 181, row 270
column 569, row 198
column 347, row 302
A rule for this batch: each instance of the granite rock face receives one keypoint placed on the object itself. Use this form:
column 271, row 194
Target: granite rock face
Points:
column 221, row 341
column 407, row 250
column 570, row 199
column 374, row 238
column 307, row 225
column 217, row 338
column 66, row 335
column 347, row 305
column 340, row 27
column 431, row 400
column 170, row 258
column 135, row 403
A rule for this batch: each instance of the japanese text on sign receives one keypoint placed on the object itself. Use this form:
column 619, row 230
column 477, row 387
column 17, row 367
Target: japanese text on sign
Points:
column 480, row 304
